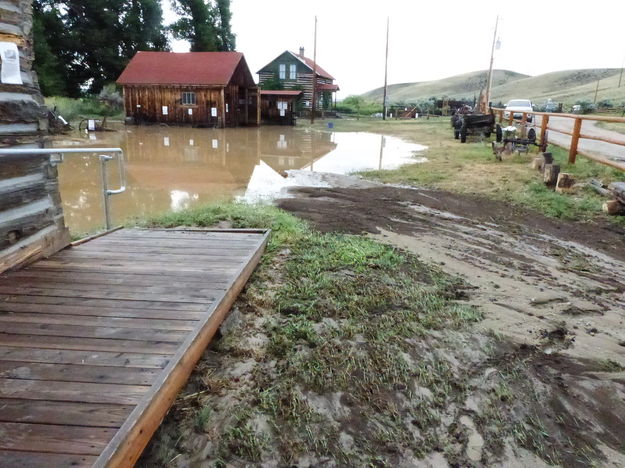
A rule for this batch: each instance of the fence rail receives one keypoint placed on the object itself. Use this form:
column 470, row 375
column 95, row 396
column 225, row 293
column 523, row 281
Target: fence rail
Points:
column 576, row 134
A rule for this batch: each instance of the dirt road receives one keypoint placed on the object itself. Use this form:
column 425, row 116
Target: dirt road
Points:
column 606, row 150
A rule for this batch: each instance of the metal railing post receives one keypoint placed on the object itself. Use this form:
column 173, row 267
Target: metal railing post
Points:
column 105, row 189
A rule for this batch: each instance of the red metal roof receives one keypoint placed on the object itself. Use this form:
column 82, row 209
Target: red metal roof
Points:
column 188, row 68
column 311, row 63
column 280, row 92
column 328, row 87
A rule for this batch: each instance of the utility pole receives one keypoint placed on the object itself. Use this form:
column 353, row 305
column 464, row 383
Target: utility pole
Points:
column 596, row 91
column 490, row 69
column 314, row 88
column 620, row 78
column 384, row 103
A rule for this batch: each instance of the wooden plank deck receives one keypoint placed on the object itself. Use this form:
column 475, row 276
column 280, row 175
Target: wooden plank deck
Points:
column 96, row 341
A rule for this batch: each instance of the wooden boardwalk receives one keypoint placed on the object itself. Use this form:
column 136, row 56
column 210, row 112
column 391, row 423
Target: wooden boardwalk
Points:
column 96, row 341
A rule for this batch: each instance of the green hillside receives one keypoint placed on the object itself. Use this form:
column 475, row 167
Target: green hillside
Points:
column 564, row 86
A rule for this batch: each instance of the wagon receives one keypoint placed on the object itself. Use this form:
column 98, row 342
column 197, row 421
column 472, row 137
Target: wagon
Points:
column 472, row 124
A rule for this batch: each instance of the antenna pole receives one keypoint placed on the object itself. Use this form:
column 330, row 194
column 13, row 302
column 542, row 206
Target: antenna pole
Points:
column 314, row 88
column 384, row 103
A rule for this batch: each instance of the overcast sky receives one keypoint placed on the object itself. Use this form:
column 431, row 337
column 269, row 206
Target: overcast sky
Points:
column 430, row 40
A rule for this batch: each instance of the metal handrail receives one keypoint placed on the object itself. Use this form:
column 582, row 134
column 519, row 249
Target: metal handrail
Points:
column 104, row 158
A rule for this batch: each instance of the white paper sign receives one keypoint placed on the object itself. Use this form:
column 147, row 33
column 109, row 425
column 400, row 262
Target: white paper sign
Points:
column 191, row 142
column 190, row 111
column 165, row 110
column 10, row 72
column 215, row 143
column 282, row 112
column 227, row 108
column 165, row 141
column 91, row 125
column 213, row 112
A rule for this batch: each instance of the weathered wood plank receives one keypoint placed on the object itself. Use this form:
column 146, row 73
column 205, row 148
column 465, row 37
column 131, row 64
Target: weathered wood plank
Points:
column 101, row 280
column 97, row 311
column 88, row 344
column 107, row 303
column 114, row 322
column 80, row 331
column 78, row 373
column 44, row 460
column 52, row 438
column 72, row 391
column 66, row 413
column 84, row 357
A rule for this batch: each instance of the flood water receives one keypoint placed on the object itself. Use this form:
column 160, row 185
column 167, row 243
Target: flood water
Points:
column 170, row 168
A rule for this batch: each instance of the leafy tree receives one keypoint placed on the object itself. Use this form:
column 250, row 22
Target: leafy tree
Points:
column 87, row 44
column 206, row 25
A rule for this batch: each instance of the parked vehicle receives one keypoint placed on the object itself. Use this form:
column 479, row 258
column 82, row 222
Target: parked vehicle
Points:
column 517, row 107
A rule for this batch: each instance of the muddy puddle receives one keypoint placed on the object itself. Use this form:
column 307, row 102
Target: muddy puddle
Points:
column 175, row 168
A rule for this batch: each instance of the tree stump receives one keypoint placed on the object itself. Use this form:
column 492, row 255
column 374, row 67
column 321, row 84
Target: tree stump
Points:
column 564, row 183
column 538, row 163
column 618, row 189
column 550, row 174
column 548, row 157
column 614, row 207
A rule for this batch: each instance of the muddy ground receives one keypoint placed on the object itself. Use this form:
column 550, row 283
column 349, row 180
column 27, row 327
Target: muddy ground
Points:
column 554, row 289
column 539, row 381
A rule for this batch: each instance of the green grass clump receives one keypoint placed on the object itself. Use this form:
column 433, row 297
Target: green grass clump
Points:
column 74, row 110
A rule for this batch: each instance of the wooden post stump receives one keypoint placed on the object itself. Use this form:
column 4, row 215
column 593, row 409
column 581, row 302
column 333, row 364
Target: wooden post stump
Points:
column 614, row 207
column 538, row 163
column 564, row 183
column 550, row 174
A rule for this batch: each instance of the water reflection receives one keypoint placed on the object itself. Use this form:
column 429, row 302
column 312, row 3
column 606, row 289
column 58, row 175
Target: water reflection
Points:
column 175, row 168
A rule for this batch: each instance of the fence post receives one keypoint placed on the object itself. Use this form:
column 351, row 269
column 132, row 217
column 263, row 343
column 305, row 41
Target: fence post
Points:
column 500, row 116
column 524, row 125
column 575, row 140
column 544, row 123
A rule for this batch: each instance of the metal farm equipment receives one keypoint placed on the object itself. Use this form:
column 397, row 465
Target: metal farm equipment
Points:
column 465, row 124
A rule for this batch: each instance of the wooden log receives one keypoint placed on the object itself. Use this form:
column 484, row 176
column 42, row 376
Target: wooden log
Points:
column 614, row 207
column 565, row 182
column 618, row 189
column 550, row 174
column 599, row 188
column 548, row 157
column 538, row 163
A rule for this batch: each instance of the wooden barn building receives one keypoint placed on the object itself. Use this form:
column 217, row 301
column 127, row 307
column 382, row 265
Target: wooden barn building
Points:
column 204, row 89
column 291, row 71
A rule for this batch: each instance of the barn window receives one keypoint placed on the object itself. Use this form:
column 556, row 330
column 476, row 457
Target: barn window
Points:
column 188, row 99
column 283, row 71
column 292, row 71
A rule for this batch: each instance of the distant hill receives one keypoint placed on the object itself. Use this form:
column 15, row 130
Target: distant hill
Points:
column 563, row 86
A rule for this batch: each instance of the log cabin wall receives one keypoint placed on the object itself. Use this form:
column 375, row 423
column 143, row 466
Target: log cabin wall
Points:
column 31, row 215
column 23, row 117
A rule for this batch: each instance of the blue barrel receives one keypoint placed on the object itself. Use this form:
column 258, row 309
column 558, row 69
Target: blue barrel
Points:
column 330, row 124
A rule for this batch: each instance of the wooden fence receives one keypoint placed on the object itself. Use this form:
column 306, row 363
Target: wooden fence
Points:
column 576, row 134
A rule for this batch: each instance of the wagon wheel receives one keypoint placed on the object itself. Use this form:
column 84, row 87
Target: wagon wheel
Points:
column 499, row 133
column 531, row 135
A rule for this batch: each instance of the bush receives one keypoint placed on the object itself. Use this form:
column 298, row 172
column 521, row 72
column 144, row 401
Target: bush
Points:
column 359, row 106
column 82, row 108
column 585, row 107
